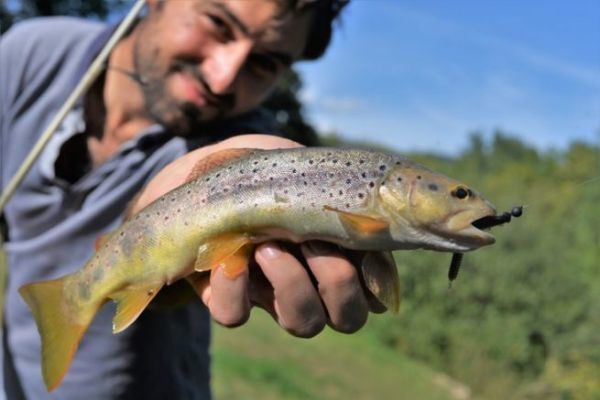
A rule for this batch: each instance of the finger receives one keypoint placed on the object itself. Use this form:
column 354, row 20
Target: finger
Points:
column 339, row 286
column 296, row 301
column 260, row 291
column 227, row 299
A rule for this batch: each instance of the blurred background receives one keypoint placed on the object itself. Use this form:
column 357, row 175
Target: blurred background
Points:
column 503, row 95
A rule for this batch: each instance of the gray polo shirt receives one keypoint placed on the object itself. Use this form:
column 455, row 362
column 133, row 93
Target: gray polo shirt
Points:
column 53, row 225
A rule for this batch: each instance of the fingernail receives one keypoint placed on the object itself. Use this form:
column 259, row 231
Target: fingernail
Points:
column 320, row 248
column 270, row 250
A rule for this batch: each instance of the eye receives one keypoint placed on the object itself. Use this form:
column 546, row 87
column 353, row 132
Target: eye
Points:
column 220, row 26
column 461, row 193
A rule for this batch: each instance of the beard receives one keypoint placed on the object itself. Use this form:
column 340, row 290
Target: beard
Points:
column 180, row 118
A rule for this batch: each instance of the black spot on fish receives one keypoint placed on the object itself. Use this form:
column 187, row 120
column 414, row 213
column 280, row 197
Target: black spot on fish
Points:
column 398, row 163
column 189, row 192
column 173, row 199
column 382, row 167
column 294, row 171
column 323, row 190
column 322, row 160
column 364, row 174
column 122, row 234
column 329, row 154
column 361, row 195
column 218, row 175
column 150, row 292
column 348, row 181
column 286, row 191
column 347, row 205
column 274, row 164
column 371, row 184
column 241, row 171
column 271, row 178
column 433, row 187
column 335, row 161
column 399, row 179
column 207, row 180
column 305, row 183
column 419, row 177
column 341, row 192
column 348, row 163
column 331, row 174
column 266, row 158
column 361, row 161
column 255, row 170
column 179, row 210
column 293, row 161
column 225, row 190
column 255, row 162
column 310, row 162
column 303, row 174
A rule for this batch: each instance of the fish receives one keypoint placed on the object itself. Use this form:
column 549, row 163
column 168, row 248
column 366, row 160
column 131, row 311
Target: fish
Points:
column 237, row 198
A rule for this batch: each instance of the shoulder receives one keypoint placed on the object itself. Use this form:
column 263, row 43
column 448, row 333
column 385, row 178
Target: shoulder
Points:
column 47, row 29
column 41, row 52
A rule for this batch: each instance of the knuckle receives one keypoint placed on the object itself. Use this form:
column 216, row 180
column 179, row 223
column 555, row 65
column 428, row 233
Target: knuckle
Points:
column 309, row 328
column 351, row 325
column 231, row 318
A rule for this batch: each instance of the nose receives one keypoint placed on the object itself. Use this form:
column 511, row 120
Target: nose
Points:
column 224, row 65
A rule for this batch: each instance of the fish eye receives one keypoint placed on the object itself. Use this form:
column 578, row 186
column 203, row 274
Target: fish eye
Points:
column 461, row 193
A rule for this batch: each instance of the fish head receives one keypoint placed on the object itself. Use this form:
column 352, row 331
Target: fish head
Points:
column 437, row 212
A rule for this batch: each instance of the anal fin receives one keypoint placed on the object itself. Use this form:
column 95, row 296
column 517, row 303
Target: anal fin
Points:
column 131, row 301
column 381, row 278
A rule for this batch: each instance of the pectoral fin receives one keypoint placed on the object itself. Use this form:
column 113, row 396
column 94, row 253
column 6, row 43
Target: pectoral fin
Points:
column 381, row 278
column 230, row 251
column 131, row 301
column 359, row 222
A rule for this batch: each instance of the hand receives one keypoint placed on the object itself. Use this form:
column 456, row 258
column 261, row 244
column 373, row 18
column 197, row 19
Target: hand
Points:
column 303, row 287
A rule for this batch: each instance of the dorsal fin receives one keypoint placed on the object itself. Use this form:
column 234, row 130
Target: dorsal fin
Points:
column 215, row 160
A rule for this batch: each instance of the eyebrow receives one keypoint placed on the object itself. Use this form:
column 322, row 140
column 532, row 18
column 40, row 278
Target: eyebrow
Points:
column 284, row 58
column 234, row 19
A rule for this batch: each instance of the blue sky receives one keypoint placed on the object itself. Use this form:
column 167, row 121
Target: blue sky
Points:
column 423, row 75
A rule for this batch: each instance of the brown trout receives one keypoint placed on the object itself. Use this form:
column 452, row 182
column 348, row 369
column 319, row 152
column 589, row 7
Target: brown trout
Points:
column 234, row 199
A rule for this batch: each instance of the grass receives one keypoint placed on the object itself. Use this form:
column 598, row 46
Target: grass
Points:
column 261, row 361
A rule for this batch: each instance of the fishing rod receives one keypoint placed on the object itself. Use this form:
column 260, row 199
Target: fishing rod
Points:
column 84, row 84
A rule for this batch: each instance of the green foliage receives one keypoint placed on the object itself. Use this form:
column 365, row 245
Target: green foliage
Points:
column 523, row 309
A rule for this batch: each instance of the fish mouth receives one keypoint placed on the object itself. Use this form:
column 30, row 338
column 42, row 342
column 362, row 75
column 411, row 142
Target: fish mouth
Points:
column 466, row 228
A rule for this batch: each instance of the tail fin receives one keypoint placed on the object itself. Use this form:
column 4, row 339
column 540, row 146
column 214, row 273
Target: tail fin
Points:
column 60, row 327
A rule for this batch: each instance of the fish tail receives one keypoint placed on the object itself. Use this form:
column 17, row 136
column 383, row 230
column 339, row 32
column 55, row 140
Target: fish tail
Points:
column 60, row 328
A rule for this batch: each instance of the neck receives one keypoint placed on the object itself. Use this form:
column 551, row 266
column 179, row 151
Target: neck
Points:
column 124, row 115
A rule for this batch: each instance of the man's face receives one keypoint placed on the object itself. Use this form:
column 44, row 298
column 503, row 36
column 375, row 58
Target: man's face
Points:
column 204, row 59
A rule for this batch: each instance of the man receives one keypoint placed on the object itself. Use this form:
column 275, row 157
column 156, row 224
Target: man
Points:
column 189, row 73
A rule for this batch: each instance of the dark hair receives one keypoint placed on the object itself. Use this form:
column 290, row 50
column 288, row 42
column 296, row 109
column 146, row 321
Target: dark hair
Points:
column 325, row 13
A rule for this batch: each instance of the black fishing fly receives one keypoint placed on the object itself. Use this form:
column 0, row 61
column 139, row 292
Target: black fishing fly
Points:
column 483, row 223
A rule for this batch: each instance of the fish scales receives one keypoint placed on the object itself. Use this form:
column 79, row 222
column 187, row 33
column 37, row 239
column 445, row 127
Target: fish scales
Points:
column 359, row 199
